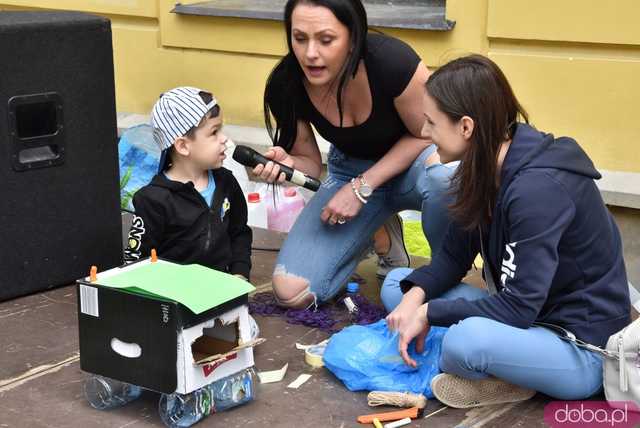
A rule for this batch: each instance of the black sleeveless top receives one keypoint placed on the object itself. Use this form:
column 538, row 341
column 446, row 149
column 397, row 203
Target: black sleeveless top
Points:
column 390, row 65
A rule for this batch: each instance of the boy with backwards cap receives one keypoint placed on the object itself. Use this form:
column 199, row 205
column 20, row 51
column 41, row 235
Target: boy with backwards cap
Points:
column 193, row 210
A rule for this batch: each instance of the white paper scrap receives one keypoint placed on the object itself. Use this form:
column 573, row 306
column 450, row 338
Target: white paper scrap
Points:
column 298, row 382
column 397, row 424
column 305, row 347
column 273, row 375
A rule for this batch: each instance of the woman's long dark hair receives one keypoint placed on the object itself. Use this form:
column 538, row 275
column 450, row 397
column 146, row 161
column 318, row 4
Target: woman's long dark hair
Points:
column 285, row 83
column 474, row 86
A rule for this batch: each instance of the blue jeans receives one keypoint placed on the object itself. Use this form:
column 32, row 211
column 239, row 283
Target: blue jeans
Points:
column 326, row 255
column 533, row 358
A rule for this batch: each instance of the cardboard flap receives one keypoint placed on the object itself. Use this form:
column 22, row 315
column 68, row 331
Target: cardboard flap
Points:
column 222, row 356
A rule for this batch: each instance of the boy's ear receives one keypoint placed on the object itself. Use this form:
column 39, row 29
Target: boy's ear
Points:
column 181, row 146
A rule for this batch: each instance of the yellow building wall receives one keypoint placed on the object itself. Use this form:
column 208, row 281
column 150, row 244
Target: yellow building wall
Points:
column 572, row 62
column 574, row 65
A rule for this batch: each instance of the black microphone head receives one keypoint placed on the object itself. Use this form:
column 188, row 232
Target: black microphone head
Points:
column 245, row 155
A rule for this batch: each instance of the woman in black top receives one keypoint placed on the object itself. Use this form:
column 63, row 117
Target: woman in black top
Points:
column 363, row 93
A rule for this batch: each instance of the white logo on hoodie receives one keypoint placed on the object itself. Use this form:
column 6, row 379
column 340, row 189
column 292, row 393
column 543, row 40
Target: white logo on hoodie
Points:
column 136, row 233
column 508, row 266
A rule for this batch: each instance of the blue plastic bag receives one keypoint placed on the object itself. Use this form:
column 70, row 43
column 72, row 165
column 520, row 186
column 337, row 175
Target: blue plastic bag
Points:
column 139, row 157
column 366, row 358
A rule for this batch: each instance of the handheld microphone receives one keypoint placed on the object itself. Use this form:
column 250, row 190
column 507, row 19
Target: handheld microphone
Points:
column 249, row 157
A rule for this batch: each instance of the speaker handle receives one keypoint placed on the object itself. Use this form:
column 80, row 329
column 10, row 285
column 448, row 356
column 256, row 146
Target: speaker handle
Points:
column 36, row 131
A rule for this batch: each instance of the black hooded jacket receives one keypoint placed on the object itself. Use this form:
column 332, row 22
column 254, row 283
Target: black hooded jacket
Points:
column 173, row 218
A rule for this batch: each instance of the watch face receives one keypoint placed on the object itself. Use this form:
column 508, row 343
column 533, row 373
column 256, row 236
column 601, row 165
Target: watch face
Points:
column 365, row 190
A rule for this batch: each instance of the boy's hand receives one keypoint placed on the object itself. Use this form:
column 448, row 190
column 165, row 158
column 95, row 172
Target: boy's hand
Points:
column 271, row 172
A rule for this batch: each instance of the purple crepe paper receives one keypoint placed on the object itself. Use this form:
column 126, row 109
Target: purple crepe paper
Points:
column 327, row 317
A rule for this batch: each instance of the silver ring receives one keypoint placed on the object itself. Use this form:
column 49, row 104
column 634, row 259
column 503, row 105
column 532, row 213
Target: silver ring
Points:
column 342, row 220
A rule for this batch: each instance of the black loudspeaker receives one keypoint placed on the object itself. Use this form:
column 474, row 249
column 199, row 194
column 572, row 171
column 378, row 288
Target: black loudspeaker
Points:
column 59, row 187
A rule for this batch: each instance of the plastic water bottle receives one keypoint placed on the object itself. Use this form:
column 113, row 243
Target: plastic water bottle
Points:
column 257, row 211
column 239, row 171
column 282, row 214
column 104, row 393
column 184, row 410
column 350, row 298
column 254, row 328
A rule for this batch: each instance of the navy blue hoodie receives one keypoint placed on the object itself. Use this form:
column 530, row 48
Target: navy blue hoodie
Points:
column 553, row 248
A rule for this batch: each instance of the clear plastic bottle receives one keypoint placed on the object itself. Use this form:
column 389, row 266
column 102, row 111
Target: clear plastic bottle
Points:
column 238, row 170
column 233, row 390
column 184, row 410
column 104, row 393
column 350, row 300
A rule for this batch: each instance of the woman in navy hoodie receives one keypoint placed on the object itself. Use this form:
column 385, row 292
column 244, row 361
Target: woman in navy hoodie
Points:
column 552, row 252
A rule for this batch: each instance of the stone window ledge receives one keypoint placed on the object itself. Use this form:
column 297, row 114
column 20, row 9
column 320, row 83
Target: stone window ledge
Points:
column 408, row 14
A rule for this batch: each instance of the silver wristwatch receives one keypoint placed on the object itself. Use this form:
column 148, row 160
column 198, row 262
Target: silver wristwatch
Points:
column 357, row 192
column 365, row 190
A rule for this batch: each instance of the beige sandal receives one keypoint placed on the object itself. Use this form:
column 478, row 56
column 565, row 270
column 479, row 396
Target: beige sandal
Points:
column 461, row 393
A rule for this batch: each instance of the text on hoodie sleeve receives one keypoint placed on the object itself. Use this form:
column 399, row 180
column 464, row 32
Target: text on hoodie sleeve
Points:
column 146, row 230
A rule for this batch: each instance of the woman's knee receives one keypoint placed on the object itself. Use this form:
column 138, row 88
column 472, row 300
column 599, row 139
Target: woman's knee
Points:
column 393, row 278
column 390, row 292
column 439, row 178
column 291, row 291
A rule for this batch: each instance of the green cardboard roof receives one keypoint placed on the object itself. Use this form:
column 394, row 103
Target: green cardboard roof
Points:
column 196, row 287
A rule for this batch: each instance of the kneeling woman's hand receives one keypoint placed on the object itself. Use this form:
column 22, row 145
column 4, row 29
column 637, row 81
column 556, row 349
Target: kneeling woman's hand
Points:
column 342, row 207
